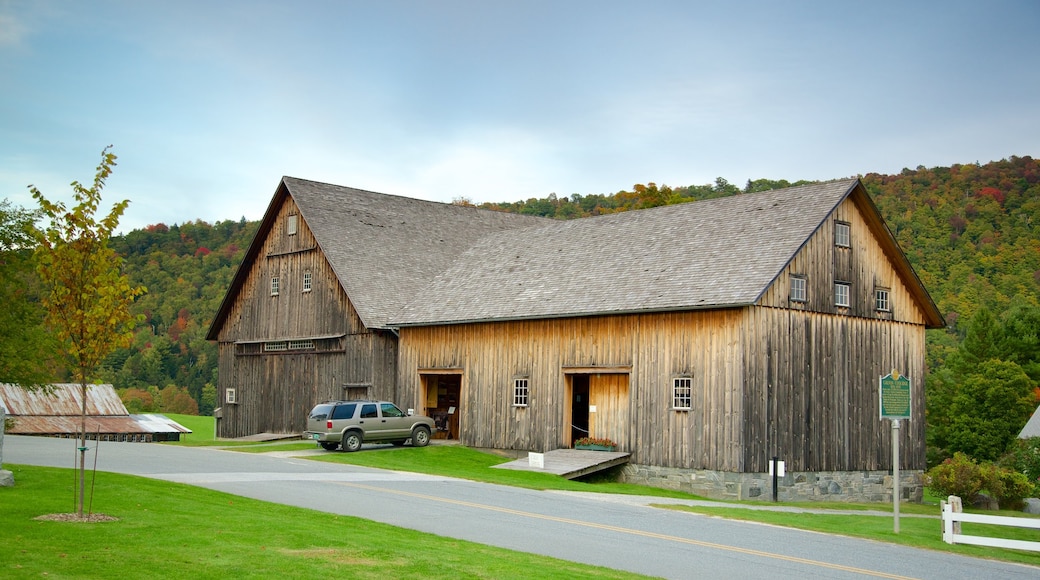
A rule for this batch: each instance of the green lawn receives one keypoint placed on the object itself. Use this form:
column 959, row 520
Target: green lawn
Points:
column 168, row 530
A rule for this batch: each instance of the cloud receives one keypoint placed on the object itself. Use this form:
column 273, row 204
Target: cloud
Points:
column 12, row 30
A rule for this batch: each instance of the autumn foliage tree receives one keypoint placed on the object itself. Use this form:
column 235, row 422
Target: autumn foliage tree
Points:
column 87, row 297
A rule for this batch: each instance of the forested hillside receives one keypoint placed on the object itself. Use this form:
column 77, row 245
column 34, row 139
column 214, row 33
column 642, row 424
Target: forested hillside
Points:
column 972, row 233
column 186, row 269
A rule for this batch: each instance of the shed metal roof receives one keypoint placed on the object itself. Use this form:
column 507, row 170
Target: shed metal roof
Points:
column 61, row 399
column 58, row 410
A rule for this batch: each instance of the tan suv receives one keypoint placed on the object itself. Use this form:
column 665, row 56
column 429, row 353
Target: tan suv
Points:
column 351, row 423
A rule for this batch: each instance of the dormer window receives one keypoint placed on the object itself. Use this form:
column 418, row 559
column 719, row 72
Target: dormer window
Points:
column 842, row 235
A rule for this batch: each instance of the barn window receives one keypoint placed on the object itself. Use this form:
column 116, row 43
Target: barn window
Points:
column 229, row 396
column 842, row 235
column 841, row 294
column 276, row 346
column 682, row 393
column 521, row 392
column 301, row 345
column 275, row 283
column 290, row 224
column 306, row 281
column 798, row 288
column 881, row 301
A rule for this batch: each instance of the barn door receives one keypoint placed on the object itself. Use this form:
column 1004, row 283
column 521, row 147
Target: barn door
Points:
column 598, row 406
column 608, row 407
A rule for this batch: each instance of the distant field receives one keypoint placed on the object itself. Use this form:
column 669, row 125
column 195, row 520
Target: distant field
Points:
column 202, row 428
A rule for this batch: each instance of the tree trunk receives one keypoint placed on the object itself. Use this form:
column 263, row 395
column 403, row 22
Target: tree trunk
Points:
column 82, row 447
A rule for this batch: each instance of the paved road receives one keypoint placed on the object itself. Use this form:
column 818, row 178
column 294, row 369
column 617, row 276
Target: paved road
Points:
column 619, row 533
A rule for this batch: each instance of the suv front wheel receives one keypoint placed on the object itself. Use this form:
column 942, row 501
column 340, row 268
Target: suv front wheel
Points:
column 420, row 437
column 351, row 441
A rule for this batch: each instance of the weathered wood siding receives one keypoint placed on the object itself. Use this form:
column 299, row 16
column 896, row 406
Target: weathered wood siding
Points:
column 634, row 408
column 275, row 390
column 813, row 367
column 863, row 265
column 812, row 390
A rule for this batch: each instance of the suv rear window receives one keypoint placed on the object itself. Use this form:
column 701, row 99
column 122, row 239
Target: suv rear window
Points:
column 321, row 412
column 344, row 411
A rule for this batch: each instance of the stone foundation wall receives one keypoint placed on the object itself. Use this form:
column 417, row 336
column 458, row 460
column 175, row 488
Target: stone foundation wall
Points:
column 850, row 486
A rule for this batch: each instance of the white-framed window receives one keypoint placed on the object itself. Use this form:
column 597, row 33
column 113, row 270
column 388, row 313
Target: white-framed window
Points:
column 521, row 392
column 881, row 300
column 276, row 346
column 798, row 288
column 290, row 224
column 841, row 294
column 682, row 393
column 301, row 345
column 306, row 281
column 842, row 235
column 229, row 397
column 275, row 285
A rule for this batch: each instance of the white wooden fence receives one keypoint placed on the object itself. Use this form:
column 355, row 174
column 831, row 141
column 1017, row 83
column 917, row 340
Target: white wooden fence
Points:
column 952, row 516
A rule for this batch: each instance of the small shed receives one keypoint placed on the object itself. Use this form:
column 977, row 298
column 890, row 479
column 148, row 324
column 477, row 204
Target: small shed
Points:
column 57, row 412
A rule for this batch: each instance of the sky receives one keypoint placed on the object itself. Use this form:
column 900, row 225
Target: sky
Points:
column 208, row 104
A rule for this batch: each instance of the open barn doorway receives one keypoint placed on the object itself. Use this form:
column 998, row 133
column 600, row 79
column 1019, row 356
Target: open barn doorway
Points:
column 442, row 393
column 579, row 407
column 597, row 405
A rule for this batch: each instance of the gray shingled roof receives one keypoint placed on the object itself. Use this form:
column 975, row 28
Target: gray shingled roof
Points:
column 707, row 254
column 384, row 248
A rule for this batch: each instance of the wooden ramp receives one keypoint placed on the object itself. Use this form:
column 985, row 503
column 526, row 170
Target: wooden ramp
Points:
column 570, row 463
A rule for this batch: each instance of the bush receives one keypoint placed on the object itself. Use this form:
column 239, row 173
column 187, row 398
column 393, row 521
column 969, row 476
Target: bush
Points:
column 959, row 476
column 1024, row 457
column 1008, row 487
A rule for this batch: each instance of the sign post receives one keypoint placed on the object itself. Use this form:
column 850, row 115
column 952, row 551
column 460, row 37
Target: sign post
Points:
column 894, row 391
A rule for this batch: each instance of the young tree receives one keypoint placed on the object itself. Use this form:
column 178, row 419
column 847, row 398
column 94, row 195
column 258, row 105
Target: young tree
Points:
column 87, row 299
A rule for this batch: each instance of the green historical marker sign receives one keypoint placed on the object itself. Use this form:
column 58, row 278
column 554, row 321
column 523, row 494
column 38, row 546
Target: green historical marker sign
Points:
column 895, row 396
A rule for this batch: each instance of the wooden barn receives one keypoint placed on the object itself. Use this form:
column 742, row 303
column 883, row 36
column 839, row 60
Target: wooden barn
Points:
column 704, row 338
column 306, row 318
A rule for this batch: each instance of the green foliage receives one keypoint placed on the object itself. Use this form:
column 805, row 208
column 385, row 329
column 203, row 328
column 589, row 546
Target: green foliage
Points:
column 958, row 475
column 137, row 400
column 961, row 476
column 188, row 269
column 980, row 400
column 177, row 400
column 25, row 346
column 1024, row 457
column 1007, row 486
column 989, row 409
